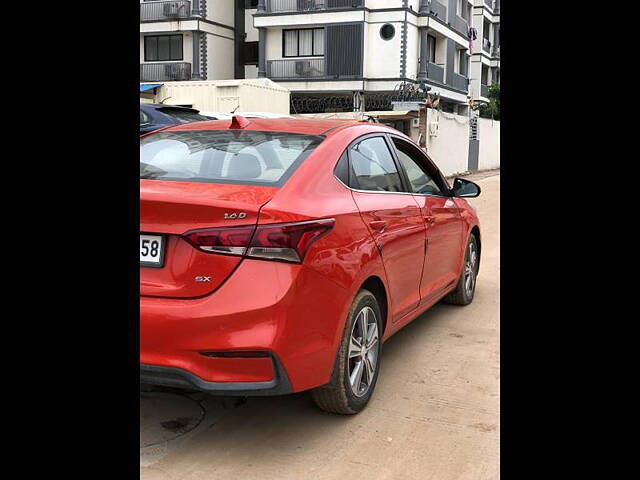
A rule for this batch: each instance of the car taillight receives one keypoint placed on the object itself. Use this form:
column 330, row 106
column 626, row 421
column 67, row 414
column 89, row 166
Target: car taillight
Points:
column 230, row 241
column 286, row 242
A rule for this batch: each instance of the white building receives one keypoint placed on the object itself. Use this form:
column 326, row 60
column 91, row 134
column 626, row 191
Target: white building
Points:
column 332, row 54
column 196, row 40
column 485, row 61
column 324, row 48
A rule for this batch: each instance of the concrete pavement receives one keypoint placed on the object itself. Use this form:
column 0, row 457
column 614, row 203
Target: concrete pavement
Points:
column 434, row 414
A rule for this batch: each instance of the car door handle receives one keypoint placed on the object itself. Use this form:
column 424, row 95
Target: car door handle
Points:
column 378, row 225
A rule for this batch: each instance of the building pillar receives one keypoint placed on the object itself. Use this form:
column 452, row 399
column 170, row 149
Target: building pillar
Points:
column 424, row 6
column 262, row 52
column 422, row 74
column 195, row 69
column 195, row 8
column 262, row 7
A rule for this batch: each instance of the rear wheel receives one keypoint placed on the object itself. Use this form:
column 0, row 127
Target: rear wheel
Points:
column 466, row 288
column 358, row 361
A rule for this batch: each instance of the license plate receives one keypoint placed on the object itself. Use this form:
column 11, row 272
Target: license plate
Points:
column 151, row 250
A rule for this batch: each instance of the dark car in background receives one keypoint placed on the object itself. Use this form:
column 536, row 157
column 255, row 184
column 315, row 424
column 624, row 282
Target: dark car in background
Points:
column 154, row 116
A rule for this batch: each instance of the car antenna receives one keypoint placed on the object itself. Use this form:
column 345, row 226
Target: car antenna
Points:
column 164, row 100
column 234, row 110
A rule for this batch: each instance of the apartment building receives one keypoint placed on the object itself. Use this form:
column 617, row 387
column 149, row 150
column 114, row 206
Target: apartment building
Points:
column 197, row 40
column 332, row 54
column 485, row 60
column 327, row 48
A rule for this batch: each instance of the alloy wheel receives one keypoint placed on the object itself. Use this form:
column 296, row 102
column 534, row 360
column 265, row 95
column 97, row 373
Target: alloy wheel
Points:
column 470, row 267
column 363, row 351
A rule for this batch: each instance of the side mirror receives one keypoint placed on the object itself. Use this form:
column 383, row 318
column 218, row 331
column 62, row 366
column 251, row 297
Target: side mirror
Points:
column 465, row 188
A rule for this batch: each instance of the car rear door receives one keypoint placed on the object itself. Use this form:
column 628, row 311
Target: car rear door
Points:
column 392, row 217
column 441, row 215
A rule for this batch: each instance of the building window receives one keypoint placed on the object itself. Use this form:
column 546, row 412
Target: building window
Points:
column 461, row 63
column 161, row 48
column 431, row 48
column 307, row 42
column 484, row 76
column 461, row 9
column 250, row 53
column 387, row 31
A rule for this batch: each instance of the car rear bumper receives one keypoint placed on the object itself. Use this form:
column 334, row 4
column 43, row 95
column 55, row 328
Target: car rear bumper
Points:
column 289, row 313
column 179, row 378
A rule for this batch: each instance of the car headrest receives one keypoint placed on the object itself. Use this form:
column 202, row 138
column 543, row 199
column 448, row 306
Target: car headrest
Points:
column 244, row 165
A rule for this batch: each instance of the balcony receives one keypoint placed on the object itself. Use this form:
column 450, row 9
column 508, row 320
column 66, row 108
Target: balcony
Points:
column 283, row 6
column 484, row 90
column 493, row 5
column 437, row 9
column 459, row 82
column 486, row 45
column 162, row 11
column 460, row 24
column 495, row 51
column 298, row 69
column 164, row 72
column 435, row 72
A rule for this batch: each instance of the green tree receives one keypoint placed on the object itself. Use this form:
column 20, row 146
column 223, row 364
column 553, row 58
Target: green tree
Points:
column 490, row 109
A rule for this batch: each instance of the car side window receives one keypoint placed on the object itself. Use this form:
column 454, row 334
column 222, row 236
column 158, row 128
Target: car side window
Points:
column 342, row 169
column 421, row 181
column 373, row 166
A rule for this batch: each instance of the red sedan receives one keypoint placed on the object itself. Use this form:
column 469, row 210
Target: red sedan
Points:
column 277, row 255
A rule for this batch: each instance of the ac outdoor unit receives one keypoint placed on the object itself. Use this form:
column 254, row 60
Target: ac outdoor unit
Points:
column 415, row 123
column 170, row 9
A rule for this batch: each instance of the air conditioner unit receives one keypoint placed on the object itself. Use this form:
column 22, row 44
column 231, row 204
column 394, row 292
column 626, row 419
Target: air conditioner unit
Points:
column 170, row 9
column 303, row 68
column 433, row 129
column 415, row 122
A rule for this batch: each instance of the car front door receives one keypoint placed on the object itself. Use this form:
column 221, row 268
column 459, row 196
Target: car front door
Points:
column 392, row 217
column 442, row 219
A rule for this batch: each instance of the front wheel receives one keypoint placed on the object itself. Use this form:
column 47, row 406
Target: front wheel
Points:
column 358, row 361
column 466, row 288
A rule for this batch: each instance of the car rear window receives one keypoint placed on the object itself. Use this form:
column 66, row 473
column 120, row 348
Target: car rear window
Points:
column 226, row 156
column 183, row 116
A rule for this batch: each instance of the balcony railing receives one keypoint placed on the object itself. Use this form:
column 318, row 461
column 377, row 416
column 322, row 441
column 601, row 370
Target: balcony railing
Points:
column 460, row 24
column 296, row 69
column 278, row 6
column 438, row 9
column 435, row 72
column 493, row 5
column 484, row 90
column 163, row 72
column 458, row 81
column 150, row 11
column 486, row 45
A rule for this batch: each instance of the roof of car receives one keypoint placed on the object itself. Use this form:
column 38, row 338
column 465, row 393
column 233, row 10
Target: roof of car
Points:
column 290, row 125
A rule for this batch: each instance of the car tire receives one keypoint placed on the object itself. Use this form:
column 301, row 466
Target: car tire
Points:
column 341, row 395
column 466, row 287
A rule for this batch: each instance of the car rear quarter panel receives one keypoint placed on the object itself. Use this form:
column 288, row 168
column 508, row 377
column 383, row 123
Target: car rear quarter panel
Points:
column 348, row 255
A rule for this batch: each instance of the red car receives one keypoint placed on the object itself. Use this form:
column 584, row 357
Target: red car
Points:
column 277, row 255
